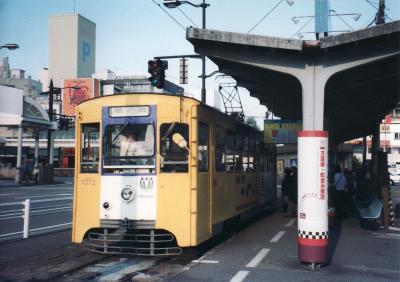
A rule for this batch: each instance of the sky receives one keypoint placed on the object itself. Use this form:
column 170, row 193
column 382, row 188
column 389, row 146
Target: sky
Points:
column 131, row 32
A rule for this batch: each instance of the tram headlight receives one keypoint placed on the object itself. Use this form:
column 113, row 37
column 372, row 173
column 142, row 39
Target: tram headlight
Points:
column 106, row 205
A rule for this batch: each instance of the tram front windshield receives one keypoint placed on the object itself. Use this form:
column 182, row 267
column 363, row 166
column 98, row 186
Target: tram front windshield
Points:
column 128, row 144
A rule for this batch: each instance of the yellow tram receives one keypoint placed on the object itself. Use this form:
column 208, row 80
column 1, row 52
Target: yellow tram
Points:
column 155, row 173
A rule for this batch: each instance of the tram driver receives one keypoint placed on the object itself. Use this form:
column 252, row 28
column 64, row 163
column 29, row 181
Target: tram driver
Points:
column 128, row 145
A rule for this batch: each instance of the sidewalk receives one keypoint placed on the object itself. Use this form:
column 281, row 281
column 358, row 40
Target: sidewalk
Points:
column 267, row 251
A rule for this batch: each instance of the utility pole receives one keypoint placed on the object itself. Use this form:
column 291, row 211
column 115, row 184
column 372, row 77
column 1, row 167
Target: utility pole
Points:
column 203, row 6
column 380, row 16
column 50, row 148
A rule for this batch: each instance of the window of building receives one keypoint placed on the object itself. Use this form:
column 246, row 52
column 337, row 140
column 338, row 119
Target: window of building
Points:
column 397, row 135
column 219, row 149
column 202, row 149
column 90, row 148
column 396, row 112
column 173, row 157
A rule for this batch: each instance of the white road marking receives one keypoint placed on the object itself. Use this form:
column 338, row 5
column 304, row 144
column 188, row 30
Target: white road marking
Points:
column 290, row 223
column 277, row 237
column 240, row 276
column 385, row 235
column 41, row 196
column 9, row 194
column 205, row 261
column 394, row 228
column 258, row 258
column 36, row 229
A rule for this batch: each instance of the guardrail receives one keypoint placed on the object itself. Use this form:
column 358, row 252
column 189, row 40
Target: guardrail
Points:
column 27, row 212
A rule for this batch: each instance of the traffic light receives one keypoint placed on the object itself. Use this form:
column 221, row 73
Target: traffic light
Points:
column 61, row 121
column 65, row 123
column 157, row 68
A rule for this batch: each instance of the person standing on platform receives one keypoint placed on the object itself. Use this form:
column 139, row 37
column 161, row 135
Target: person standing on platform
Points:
column 286, row 182
column 292, row 194
column 341, row 188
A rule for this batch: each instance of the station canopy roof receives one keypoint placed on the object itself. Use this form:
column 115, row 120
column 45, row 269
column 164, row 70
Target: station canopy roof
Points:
column 18, row 110
column 356, row 99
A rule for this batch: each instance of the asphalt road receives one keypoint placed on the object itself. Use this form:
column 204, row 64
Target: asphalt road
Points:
column 50, row 207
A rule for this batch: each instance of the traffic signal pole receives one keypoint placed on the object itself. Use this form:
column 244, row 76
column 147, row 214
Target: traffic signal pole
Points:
column 203, row 5
column 203, row 59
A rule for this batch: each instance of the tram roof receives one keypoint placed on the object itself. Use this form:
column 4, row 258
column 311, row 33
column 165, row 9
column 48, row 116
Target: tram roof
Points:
column 177, row 96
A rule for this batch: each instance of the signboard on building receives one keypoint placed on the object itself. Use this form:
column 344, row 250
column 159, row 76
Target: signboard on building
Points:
column 281, row 131
column 88, row 89
column 72, row 47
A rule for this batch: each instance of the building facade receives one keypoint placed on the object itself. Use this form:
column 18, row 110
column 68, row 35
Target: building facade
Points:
column 72, row 47
column 16, row 78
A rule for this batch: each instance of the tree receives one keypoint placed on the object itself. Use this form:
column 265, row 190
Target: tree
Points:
column 252, row 122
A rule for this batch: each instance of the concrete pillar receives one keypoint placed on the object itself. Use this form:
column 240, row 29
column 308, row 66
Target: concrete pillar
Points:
column 313, row 196
column 18, row 172
column 313, row 169
column 376, row 139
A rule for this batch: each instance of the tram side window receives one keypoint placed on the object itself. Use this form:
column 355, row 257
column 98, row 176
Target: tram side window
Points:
column 245, row 154
column 173, row 157
column 238, row 152
column 230, row 150
column 90, row 148
column 219, row 149
column 202, row 149
column 252, row 154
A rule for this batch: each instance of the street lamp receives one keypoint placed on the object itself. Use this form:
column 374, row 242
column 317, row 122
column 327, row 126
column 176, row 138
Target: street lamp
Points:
column 50, row 144
column 204, row 5
column 10, row 46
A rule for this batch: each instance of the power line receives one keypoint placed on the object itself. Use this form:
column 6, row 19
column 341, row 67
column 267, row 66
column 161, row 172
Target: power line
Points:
column 186, row 16
column 351, row 28
column 303, row 26
column 372, row 4
column 266, row 15
column 175, row 20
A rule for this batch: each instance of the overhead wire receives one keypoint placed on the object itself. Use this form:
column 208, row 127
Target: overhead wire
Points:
column 266, row 15
column 186, row 16
column 372, row 4
column 340, row 18
column 175, row 20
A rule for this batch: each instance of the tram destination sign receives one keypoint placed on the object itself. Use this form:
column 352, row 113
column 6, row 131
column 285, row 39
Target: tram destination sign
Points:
column 281, row 131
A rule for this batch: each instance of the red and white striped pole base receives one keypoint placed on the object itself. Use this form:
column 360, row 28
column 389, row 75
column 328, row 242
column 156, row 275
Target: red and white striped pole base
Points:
column 313, row 196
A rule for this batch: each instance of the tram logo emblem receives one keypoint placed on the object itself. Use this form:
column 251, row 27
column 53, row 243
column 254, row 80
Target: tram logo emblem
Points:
column 146, row 183
column 127, row 193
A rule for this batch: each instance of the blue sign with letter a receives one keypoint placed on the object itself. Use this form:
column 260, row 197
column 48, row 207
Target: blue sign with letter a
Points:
column 85, row 51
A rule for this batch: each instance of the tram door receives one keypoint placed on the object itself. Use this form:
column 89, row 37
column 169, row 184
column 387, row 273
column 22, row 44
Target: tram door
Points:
column 203, row 189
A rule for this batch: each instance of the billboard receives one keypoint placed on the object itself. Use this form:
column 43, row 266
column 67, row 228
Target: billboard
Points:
column 281, row 131
column 88, row 89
